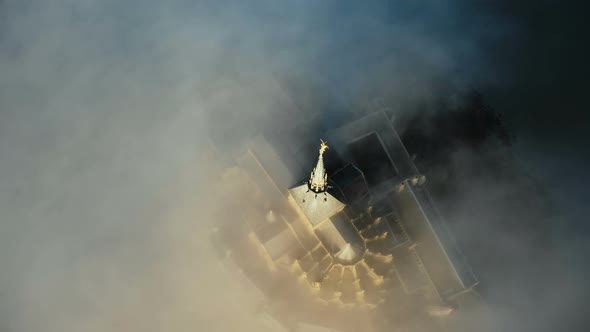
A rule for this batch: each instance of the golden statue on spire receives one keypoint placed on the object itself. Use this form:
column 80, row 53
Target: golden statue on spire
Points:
column 318, row 181
column 323, row 147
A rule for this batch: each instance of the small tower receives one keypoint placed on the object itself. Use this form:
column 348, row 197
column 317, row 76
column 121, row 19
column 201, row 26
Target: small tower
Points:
column 318, row 181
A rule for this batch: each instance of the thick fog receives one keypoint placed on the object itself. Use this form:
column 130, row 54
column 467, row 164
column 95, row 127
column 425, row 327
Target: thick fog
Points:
column 107, row 109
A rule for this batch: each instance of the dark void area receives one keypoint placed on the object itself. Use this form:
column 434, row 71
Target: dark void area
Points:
column 370, row 157
column 462, row 120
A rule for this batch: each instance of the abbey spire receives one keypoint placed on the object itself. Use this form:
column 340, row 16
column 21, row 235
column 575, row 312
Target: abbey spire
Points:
column 318, row 181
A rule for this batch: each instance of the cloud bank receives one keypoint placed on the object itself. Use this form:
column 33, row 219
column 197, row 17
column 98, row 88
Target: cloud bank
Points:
column 105, row 110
